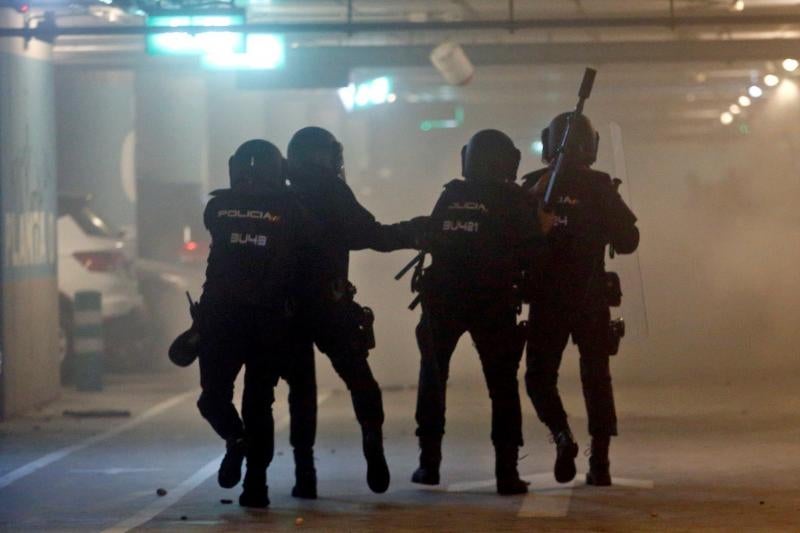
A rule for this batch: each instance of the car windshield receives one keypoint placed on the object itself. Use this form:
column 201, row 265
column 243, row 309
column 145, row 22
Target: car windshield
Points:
column 89, row 221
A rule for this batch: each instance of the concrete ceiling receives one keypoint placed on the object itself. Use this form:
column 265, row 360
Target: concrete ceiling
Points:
column 679, row 63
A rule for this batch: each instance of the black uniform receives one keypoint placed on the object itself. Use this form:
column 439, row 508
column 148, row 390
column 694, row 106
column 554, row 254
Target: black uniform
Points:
column 330, row 316
column 258, row 244
column 569, row 296
column 484, row 232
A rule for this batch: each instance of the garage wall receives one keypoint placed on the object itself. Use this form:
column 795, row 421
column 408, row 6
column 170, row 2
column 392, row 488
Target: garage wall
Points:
column 28, row 362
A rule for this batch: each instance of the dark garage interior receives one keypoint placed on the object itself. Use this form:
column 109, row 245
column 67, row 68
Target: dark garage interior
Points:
column 117, row 121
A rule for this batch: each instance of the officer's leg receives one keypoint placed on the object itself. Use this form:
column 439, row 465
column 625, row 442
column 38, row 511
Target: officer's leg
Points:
column 352, row 366
column 300, row 375
column 549, row 333
column 257, row 400
column 496, row 339
column 598, row 393
column 437, row 337
column 220, row 360
column 338, row 336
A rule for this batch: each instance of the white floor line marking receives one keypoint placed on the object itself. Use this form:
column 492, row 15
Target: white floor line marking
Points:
column 550, row 499
column 547, row 498
column 52, row 457
column 195, row 480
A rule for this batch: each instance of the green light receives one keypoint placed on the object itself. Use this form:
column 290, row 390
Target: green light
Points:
column 182, row 43
column 449, row 123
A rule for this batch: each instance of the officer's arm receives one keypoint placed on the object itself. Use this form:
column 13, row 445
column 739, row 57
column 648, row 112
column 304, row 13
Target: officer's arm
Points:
column 530, row 237
column 360, row 230
column 621, row 224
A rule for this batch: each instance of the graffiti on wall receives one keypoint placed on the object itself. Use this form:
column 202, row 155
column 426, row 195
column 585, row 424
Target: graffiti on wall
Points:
column 29, row 220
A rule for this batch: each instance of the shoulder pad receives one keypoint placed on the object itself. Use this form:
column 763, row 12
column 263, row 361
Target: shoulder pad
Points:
column 220, row 192
column 454, row 183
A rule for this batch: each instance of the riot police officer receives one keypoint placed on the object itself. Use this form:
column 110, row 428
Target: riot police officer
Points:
column 340, row 327
column 571, row 295
column 258, row 237
column 483, row 233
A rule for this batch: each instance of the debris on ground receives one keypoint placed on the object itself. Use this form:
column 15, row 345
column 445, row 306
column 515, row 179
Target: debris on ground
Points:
column 184, row 517
column 226, row 501
column 299, row 521
column 161, row 492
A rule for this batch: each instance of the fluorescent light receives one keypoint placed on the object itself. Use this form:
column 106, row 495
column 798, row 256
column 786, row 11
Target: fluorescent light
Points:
column 182, row 43
column 790, row 65
column 755, row 91
column 263, row 52
column 726, row 118
column 771, row 80
column 537, row 147
column 735, row 109
column 744, row 101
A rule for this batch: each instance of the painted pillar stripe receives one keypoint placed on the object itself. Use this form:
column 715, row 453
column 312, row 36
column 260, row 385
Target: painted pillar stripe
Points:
column 87, row 317
column 87, row 346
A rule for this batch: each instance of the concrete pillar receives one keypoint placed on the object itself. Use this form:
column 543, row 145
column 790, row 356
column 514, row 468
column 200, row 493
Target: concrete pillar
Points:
column 96, row 138
column 171, row 158
column 29, row 366
column 172, row 126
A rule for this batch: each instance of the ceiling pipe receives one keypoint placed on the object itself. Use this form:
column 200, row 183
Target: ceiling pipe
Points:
column 51, row 31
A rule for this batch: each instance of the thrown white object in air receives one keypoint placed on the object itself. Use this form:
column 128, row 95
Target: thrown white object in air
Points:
column 452, row 63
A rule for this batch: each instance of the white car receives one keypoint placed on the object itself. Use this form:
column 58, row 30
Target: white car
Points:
column 93, row 255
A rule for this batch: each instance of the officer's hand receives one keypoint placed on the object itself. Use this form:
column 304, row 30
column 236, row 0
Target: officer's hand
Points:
column 547, row 219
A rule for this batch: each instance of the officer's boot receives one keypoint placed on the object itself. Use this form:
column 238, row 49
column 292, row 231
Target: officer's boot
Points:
column 505, row 470
column 230, row 470
column 599, row 473
column 256, row 493
column 378, row 476
column 305, row 475
column 566, row 452
column 430, row 457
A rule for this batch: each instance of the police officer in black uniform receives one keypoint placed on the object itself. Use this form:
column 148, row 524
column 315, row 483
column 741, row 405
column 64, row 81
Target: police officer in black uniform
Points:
column 483, row 233
column 340, row 327
column 259, row 234
column 571, row 295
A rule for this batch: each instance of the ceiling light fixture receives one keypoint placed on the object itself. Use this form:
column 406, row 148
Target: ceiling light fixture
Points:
column 790, row 64
column 755, row 91
column 744, row 101
column 738, row 5
column 771, row 80
column 726, row 118
column 735, row 109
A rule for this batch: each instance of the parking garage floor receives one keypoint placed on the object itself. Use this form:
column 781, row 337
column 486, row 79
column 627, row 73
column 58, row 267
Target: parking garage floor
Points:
column 725, row 456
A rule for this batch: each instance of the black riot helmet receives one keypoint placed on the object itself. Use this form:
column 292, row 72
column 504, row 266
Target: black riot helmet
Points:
column 584, row 139
column 314, row 150
column 490, row 155
column 257, row 166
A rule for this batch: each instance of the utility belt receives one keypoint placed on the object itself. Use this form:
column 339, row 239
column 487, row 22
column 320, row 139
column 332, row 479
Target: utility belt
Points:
column 605, row 295
column 616, row 326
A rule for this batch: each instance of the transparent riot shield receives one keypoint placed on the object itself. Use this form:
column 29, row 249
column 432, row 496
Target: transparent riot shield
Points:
column 629, row 267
